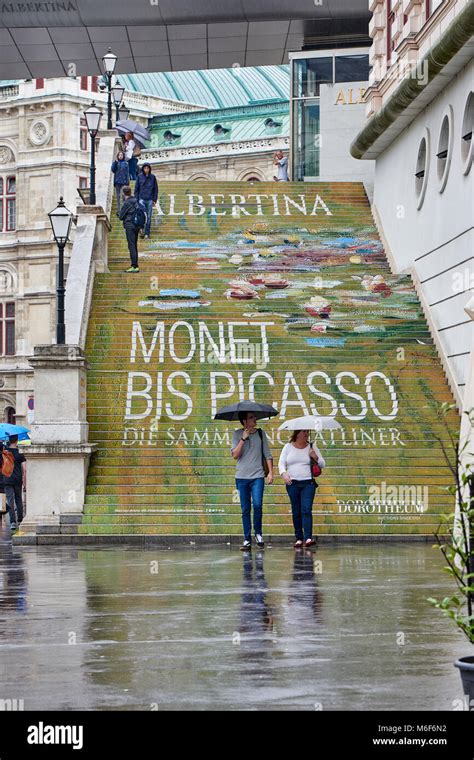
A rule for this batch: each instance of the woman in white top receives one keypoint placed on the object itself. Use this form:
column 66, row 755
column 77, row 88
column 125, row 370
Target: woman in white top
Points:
column 129, row 146
column 295, row 467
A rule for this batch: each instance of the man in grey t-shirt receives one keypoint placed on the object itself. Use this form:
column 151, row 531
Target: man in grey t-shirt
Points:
column 249, row 448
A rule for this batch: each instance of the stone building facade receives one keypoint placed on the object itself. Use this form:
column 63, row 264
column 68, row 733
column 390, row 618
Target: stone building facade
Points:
column 233, row 144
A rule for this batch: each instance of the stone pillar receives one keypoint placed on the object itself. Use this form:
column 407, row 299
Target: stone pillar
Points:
column 86, row 214
column 58, row 459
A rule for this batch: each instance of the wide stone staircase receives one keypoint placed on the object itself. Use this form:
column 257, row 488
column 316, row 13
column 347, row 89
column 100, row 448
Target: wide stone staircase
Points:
column 279, row 292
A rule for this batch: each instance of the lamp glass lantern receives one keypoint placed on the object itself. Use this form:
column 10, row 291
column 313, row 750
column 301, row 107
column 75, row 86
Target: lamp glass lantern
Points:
column 117, row 92
column 109, row 60
column 61, row 220
column 93, row 116
column 123, row 112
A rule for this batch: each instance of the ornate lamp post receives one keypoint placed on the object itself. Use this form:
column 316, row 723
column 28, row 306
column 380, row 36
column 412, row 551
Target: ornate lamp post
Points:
column 92, row 116
column 109, row 61
column 61, row 220
column 117, row 92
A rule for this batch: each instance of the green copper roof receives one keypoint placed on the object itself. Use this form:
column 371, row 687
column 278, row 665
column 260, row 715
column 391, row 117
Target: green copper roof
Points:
column 216, row 88
column 220, row 125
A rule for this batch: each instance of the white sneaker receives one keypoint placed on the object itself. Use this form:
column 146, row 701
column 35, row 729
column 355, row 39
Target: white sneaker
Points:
column 259, row 540
column 246, row 546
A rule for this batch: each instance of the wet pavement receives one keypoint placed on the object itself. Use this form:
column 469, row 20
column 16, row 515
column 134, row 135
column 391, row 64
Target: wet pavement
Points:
column 345, row 627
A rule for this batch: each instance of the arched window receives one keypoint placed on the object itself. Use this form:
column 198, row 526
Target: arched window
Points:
column 10, row 415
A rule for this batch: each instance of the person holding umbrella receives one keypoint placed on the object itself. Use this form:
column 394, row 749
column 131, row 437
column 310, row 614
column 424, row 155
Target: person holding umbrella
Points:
column 254, row 466
column 15, row 483
column 134, row 136
column 295, row 466
column 130, row 146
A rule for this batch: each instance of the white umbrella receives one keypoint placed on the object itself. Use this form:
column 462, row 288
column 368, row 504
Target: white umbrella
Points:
column 311, row 422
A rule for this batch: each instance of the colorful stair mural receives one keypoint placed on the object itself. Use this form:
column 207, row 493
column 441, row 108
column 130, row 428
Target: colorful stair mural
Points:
column 280, row 292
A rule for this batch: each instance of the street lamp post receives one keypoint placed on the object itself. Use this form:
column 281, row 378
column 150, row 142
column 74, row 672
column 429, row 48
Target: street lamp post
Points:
column 92, row 116
column 61, row 219
column 109, row 60
column 117, row 92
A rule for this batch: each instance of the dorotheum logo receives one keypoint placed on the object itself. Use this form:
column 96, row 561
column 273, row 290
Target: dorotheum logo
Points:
column 388, row 500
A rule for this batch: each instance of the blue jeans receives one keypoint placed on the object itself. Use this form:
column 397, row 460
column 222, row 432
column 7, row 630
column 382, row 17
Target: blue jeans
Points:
column 132, row 168
column 301, row 493
column 149, row 212
column 251, row 491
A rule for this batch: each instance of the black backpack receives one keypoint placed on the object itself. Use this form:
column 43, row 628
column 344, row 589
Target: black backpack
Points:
column 140, row 216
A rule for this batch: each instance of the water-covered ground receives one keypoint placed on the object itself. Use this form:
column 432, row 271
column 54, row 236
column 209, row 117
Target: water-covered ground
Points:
column 345, row 627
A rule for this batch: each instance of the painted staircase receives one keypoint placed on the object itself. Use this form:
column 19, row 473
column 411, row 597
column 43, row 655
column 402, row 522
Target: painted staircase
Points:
column 281, row 292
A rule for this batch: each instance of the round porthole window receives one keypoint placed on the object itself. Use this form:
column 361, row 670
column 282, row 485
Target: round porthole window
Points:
column 421, row 170
column 444, row 151
column 467, row 145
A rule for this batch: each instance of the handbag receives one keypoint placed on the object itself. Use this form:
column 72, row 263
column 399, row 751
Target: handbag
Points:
column 315, row 468
column 266, row 469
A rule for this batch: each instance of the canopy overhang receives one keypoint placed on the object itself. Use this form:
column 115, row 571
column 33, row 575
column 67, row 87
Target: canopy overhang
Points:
column 69, row 37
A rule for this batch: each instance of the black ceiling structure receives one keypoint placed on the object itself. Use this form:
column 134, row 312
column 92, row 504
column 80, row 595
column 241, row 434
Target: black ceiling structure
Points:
column 69, row 37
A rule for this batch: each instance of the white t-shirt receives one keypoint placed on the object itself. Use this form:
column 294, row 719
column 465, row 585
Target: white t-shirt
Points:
column 129, row 148
column 296, row 462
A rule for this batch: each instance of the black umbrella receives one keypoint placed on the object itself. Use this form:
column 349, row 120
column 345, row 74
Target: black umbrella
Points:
column 261, row 411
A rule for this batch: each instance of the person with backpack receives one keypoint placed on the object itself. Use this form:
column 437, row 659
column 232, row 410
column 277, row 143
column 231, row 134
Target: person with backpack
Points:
column 14, row 481
column 146, row 190
column 133, row 216
column 121, row 176
column 250, row 448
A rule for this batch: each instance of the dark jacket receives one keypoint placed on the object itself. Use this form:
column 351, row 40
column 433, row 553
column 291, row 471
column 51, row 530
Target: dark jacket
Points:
column 127, row 212
column 16, row 478
column 122, row 175
column 146, row 187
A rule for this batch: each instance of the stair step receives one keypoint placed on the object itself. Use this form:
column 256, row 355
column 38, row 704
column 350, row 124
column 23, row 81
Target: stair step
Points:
column 174, row 482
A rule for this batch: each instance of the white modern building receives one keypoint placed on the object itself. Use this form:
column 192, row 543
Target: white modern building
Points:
column 420, row 116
